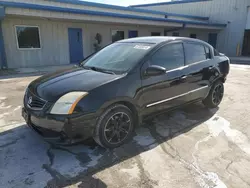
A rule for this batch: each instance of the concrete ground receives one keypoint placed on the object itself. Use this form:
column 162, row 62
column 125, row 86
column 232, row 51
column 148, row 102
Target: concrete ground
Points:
column 191, row 147
column 31, row 71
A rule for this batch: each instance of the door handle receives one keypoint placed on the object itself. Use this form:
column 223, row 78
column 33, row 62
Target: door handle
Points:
column 211, row 67
column 183, row 77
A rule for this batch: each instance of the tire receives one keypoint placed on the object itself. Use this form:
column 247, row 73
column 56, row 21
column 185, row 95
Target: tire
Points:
column 117, row 121
column 216, row 91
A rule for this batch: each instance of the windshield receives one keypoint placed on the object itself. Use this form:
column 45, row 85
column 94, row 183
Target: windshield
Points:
column 117, row 57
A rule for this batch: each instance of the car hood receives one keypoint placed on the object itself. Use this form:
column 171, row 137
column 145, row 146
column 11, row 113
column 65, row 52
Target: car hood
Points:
column 52, row 86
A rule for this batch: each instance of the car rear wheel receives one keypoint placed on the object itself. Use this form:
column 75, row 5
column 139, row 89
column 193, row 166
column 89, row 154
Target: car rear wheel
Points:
column 114, row 127
column 215, row 95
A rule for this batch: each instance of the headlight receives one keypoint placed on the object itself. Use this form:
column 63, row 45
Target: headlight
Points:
column 67, row 103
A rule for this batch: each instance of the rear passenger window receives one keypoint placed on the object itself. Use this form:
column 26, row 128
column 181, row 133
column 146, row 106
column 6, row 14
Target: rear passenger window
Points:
column 208, row 54
column 194, row 53
column 216, row 53
column 170, row 56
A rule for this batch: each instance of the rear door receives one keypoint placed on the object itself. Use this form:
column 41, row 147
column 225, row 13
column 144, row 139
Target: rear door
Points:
column 198, row 70
column 162, row 91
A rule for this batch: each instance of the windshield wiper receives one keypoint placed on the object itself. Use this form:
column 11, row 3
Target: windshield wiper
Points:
column 98, row 69
column 89, row 68
column 106, row 71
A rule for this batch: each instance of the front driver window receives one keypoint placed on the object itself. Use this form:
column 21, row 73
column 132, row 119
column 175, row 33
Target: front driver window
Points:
column 170, row 56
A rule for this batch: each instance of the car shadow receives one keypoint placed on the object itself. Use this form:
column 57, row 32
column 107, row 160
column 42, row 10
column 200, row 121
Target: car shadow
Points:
column 55, row 166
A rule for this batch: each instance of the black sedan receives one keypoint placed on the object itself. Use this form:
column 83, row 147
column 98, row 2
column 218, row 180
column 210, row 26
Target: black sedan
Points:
column 112, row 91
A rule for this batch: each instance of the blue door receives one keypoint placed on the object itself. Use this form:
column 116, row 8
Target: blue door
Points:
column 132, row 34
column 212, row 39
column 75, row 45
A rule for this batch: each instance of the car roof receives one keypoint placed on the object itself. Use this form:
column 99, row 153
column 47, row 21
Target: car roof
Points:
column 160, row 39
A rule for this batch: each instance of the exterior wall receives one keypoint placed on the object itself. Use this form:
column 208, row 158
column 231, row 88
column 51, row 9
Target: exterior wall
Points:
column 80, row 17
column 248, row 19
column 233, row 12
column 82, row 10
column 131, row 11
column 53, row 28
column 54, row 40
column 2, row 51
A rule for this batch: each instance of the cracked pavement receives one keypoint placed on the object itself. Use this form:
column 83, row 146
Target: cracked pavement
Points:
column 191, row 147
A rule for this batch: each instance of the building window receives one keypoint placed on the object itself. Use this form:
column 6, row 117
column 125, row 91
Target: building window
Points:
column 194, row 36
column 28, row 37
column 117, row 35
column 176, row 34
column 155, row 34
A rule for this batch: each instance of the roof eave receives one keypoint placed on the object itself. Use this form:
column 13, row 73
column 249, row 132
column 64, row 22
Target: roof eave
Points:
column 130, row 8
column 169, row 3
column 99, row 13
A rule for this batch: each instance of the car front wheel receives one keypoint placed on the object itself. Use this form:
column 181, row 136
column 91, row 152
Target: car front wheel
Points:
column 215, row 95
column 114, row 127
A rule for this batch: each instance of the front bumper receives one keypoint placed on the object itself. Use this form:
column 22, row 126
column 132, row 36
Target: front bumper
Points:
column 61, row 130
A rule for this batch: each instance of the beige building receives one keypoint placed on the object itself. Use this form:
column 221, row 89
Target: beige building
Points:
column 59, row 32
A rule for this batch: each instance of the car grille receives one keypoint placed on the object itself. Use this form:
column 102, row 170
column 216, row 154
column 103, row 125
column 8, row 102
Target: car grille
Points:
column 34, row 102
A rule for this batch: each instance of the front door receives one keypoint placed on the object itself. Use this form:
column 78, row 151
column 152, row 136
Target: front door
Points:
column 75, row 45
column 246, row 44
column 212, row 39
column 163, row 91
column 132, row 34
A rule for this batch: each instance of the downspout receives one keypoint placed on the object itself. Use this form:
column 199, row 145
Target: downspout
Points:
column 3, row 61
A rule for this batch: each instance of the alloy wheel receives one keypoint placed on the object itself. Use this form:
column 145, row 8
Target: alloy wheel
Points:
column 117, row 128
column 217, row 94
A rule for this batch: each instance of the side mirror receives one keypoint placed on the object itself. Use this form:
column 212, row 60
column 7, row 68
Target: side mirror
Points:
column 155, row 70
